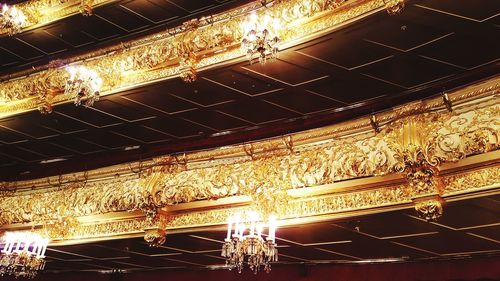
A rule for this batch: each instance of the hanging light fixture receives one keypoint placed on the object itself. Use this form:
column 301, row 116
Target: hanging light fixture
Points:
column 11, row 19
column 23, row 254
column 84, row 84
column 260, row 37
column 250, row 248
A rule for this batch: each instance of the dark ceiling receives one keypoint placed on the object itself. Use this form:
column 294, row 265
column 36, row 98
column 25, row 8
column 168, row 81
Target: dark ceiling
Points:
column 468, row 228
column 372, row 65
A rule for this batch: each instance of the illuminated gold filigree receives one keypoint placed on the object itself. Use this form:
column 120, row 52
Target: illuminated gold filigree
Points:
column 430, row 210
column 41, row 12
column 267, row 171
column 155, row 237
column 354, row 201
column 471, row 181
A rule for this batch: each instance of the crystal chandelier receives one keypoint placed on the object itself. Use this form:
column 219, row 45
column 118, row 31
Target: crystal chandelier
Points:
column 11, row 19
column 260, row 37
column 251, row 248
column 84, row 84
column 23, row 254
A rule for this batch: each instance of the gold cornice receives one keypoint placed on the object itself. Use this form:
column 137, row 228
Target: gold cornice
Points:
column 322, row 172
column 335, row 201
column 336, row 204
column 206, row 42
column 42, row 12
column 475, row 97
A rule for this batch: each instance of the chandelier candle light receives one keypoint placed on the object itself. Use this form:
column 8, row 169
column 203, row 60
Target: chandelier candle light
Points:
column 240, row 248
column 261, row 37
column 83, row 84
column 23, row 254
column 12, row 19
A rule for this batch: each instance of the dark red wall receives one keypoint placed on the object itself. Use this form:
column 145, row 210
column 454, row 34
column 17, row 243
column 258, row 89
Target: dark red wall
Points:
column 467, row 269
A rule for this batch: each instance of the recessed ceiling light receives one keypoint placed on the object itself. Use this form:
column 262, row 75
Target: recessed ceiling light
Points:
column 52, row 160
column 132, row 147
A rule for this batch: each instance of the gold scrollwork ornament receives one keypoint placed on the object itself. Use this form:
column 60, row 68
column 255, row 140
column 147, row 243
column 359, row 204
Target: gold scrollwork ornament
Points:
column 155, row 237
column 430, row 210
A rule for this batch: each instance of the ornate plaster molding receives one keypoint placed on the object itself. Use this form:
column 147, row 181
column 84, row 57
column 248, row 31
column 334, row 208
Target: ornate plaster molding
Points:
column 42, row 12
column 414, row 145
column 474, row 180
column 199, row 44
column 299, row 210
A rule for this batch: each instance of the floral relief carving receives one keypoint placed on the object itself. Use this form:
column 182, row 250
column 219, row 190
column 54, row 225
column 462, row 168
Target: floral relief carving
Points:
column 276, row 169
column 457, row 136
column 430, row 210
column 476, row 179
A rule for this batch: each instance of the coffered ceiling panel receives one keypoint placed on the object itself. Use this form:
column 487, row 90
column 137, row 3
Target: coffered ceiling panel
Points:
column 43, row 41
column 20, row 154
column 456, row 243
column 160, row 100
column 62, row 264
column 351, row 89
column 123, row 17
column 403, row 34
column 92, row 252
column 20, row 48
column 180, row 128
column 77, row 145
column 314, row 254
column 35, row 131
column 88, row 116
column 243, row 82
column 202, row 93
column 8, row 136
column 153, row 10
column 476, row 213
column 99, row 28
column 7, row 58
column 303, row 102
column 150, row 262
column 215, row 120
column 46, row 149
column 107, row 139
column 470, row 9
column 396, row 71
column 455, row 48
column 198, row 259
column 58, row 123
column 6, row 161
column 257, row 111
column 193, row 6
column 366, row 248
column 123, row 110
column 194, row 243
column 141, row 133
column 491, row 232
column 405, row 227
column 68, row 35
column 340, row 52
column 284, row 72
column 315, row 236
